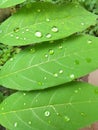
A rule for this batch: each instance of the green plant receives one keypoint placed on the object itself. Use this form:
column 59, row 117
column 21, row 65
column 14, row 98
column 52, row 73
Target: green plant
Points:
column 47, row 46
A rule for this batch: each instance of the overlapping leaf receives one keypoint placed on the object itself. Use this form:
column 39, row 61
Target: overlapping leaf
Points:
column 42, row 21
column 50, row 64
column 8, row 3
column 62, row 108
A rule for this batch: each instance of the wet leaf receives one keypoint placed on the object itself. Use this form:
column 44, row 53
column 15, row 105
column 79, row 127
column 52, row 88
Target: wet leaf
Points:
column 49, row 64
column 67, row 107
column 42, row 21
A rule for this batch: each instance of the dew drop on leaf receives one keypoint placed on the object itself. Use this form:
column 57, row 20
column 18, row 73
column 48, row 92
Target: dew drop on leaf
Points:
column 55, row 75
column 16, row 29
column 47, row 113
column 38, row 34
column 48, row 35
column 24, row 104
column 32, row 50
column 76, row 91
column 89, row 41
column 60, row 47
column 72, row 76
column 17, row 37
column 47, row 19
column 82, row 24
column 15, row 124
column 45, row 78
column 51, row 52
column 61, row 71
column 27, row 29
column 29, row 122
column 38, row 10
column 83, row 114
column 54, row 29
column 24, row 94
column 11, row 35
column 46, row 55
column 11, row 59
column 24, row 38
column 67, row 119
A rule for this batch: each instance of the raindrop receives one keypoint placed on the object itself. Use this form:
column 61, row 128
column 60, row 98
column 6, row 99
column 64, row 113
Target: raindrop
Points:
column 15, row 124
column 17, row 37
column 82, row 24
column 51, row 52
column 47, row 113
column 54, row 29
column 47, row 19
column 77, row 62
column 61, row 71
column 55, row 75
column 67, row 119
column 38, row 34
column 76, row 91
column 27, row 29
column 16, row 29
column 29, row 122
column 89, row 41
column 72, row 76
column 48, row 35
column 88, row 60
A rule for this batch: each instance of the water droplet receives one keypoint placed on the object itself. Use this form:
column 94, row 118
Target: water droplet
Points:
column 89, row 41
column 11, row 59
column 17, row 37
column 38, row 34
column 23, row 32
column 24, row 104
column 24, row 94
column 47, row 113
column 88, row 60
column 72, row 76
column 46, row 55
column 60, row 47
column 54, row 29
column 96, row 91
column 29, row 122
column 55, row 75
column 61, row 71
column 32, row 50
column 82, row 24
column 47, row 19
column 11, row 35
column 45, row 78
column 15, row 124
column 77, row 62
column 27, row 29
column 24, row 38
column 83, row 114
column 76, row 91
column 16, row 29
column 0, row 31
column 38, row 10
column 48, row 35
column 67, row 119
column 51, row 52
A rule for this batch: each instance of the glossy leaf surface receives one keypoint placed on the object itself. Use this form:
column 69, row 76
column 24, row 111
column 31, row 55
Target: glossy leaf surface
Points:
column 67, row 107
column 8, row 3
column 50, row 64
column 42, row 21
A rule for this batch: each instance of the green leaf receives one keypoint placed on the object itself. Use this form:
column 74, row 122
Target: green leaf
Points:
column 50, row 64
column 42, row 21
column 8, row 3
column 68, row 107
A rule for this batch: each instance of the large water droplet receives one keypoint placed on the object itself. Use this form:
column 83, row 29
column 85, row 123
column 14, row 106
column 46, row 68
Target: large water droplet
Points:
column 61, row 71
column 67, row 119
column 47, row 113
column 38, row 34
column 48, row 35
column 56, row 75
column 72, row 76
column 88, row 60
column 15, row 124
column 16, row 29
column 54, row 29
column 51, row 52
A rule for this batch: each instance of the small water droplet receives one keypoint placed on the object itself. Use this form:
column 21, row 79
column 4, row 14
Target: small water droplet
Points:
column 47, row 113
column 23, row 32
column 27, row 29
column 45, row 78
column 72, row 76
column 51, row 52
column 48, row 35
column 47, row 19
column 46, row 55
column 88, row 60
column 24, row 104
column 38, row 34
column 67, row 119
column 15, row 124
column 77, row 62
column 24, row 94
column 17, row 37
column 38, row 10
column 55, row 75
column 54, row 29
column 89, row 41
column 76, row 91
column 82, row 24
column 24, row 38
column 32, row 50
column 29, row 122
column 11, row 35
column 61, row 71
column 60, row 47
column 16, row 29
